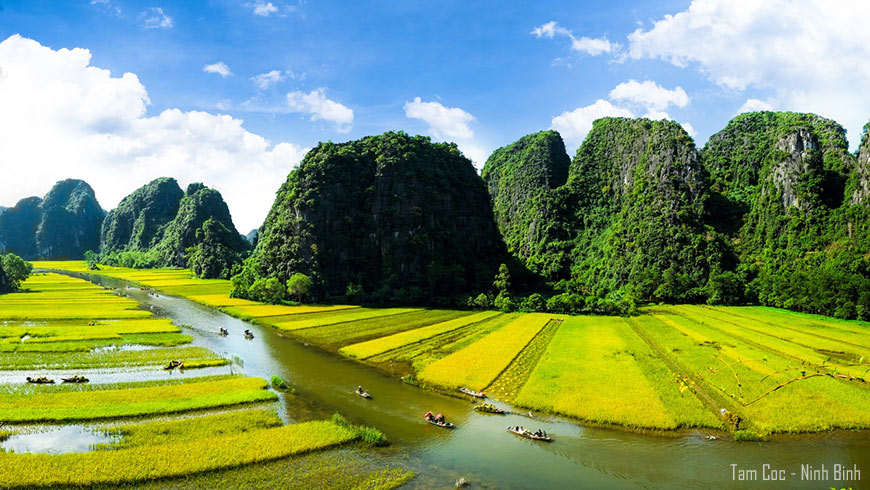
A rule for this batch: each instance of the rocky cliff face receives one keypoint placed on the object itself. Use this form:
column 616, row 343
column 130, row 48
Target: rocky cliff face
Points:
column 520, row 178
column 640, row 190
column 777, row 172
column 199, row 204
column 165, row 224
column 861, row 175
column 140, row 218
column 398, row 217
column 64, row 224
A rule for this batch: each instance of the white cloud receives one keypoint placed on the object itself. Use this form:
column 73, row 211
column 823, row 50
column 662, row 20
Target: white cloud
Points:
column 264, row 9
column 444, row 122
column 64, row 118
column 321, row 108
column 155, row 18
column 220, row 68
column 752, row 105
column 810, row 54
column 592, row 46
column 573, row 125
column 266, row 80
column 108, row 6
column 650, row 94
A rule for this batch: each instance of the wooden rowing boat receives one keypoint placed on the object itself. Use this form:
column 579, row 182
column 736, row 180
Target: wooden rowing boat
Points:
column 75, row 379
column 446, row 425
column 529, row 435
column 470, row 392
column 489, row 409
column 363, row 394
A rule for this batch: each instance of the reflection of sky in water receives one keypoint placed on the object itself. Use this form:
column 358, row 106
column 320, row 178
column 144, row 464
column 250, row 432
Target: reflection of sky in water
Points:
column 56, row 440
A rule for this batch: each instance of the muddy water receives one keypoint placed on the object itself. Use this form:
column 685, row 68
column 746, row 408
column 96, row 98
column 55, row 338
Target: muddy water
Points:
column 481, row 450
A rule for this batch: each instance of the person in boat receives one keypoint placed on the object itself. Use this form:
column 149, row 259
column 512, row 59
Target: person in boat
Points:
column 428, row 416
column 359, row 390
column 440, row 418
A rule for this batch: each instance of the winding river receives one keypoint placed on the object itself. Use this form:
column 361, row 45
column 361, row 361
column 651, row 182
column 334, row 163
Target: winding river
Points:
column 480, row 449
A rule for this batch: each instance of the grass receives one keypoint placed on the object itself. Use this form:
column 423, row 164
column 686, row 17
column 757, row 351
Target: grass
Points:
column 278, row 383
column 82, row 329
column 49, row 405
column 364, row 350
column 480, row 363
column 188, row 429
column 596, row 369
column 193, row 357
column 72, row 343
column 168, row 460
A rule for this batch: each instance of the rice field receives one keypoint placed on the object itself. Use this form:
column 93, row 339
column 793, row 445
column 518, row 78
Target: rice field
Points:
column 364, row 350
column 670, row 367
column 480, row 363
column 177, row 458
column 61, row 322
column 49, row 404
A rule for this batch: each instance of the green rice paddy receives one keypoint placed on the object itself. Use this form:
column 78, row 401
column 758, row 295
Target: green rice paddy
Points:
column 66, row 323
column 752, row 369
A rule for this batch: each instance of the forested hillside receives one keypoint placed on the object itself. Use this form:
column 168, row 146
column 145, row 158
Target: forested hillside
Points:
column 389, row 218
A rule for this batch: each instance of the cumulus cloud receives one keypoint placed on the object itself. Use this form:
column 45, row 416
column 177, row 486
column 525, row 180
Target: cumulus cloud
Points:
column 592, row 46
column 266, row 80
column 650, row 94
column 155, row 18
column 573, row 125
column 752, row 105
column 220, row 68
column 810, row 56
column 64, row 118
column 320, row 107
column 444, row 122
column 264, row 9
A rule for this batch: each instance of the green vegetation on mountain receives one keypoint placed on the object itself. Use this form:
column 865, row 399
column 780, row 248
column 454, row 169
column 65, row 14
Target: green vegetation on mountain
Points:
column 158, row 225
column 520, row 178
column 64, row 224
column 774, row 210
column 389, row 218
column 627, row 224
column 786, row 194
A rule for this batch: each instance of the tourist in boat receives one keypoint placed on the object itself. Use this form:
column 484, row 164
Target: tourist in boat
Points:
column 428, row 416
column 439, row 418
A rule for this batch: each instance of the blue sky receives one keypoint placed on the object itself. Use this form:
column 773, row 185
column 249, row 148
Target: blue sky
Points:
column 232, row 93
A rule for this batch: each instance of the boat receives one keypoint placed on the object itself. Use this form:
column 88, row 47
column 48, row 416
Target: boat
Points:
column 42, row 380
column 363, row 394
column 529, row 435
column 223, row 332
column 470, row 392
column 75, row 379
column 445, row 424
column 249, row 335
column 489, row 408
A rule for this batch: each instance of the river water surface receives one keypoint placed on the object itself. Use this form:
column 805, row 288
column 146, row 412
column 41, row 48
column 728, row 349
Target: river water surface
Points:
column 479, row 448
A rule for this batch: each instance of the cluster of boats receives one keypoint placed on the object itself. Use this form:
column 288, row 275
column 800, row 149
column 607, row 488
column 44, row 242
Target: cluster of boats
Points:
column 441, row 421
column 223, row 332
column 42, row 380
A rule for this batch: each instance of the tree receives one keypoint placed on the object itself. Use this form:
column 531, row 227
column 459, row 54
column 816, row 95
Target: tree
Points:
column 13, row 271
column 92, row 260
column 502, row 279
column 267, row 290
column 299, row 286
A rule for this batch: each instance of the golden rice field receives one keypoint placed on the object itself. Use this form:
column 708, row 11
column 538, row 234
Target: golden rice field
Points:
column 61, row 322
column 669, row 367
